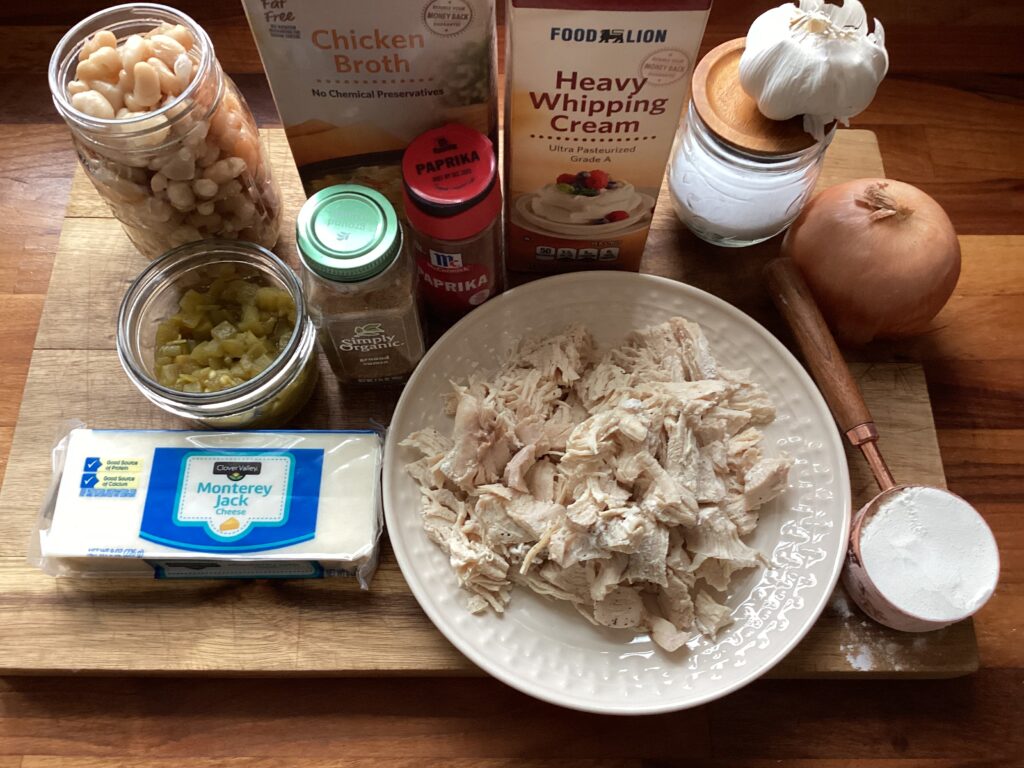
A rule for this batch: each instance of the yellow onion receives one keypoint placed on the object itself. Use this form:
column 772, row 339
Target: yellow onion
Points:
column 881, row 257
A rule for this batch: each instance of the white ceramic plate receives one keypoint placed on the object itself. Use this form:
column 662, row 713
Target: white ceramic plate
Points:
column 543, row 647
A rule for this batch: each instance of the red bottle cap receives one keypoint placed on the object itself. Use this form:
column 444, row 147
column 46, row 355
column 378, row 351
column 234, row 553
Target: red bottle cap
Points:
column 451, row 182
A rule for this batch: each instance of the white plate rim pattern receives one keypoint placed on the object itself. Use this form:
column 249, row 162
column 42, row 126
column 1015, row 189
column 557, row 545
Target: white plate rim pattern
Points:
column 394, row 474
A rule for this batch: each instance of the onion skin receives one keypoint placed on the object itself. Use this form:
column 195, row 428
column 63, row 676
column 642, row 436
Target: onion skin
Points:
column 880, row 256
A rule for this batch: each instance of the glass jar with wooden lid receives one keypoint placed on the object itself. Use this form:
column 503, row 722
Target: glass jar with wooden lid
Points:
column 737, row 178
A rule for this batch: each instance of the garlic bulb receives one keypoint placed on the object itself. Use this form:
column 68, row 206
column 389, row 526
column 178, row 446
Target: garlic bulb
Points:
column 816, row 59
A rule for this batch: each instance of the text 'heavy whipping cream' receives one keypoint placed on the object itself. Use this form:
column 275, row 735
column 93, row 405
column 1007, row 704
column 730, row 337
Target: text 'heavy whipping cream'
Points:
column 593, row 98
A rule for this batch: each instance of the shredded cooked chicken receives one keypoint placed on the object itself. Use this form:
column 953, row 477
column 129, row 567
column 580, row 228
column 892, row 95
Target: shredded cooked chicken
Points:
column 621, row 484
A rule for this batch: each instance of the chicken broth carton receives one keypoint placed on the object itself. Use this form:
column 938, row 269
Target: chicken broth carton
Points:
column 356, row 81
column 594, row 91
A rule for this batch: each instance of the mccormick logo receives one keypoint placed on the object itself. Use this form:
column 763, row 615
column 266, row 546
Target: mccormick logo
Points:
column 237, row 470
column 588, row 35
column 446, row 260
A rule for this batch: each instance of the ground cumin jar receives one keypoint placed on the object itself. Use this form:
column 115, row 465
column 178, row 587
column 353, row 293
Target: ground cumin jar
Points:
column 453, row 205
column 360, row 286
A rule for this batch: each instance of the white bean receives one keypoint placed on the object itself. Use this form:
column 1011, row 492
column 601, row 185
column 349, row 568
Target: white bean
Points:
column 102, row 39
column 237, row 166
column 132, row 104
column 182, row 35
column 180, row 195
column 185, row 234
column 158, row 183
column 231, row 127
column 93, row 104
column 160, row 29
column 245, row 210
column 77, row 86
column 147, row 85
column 206, row 208
column 107, row 62
column 156, row 209
column 209, row 156
column 196, row 136
column 225, row 170
column 219, row 172
column 179, row 169
column 205, row 187
column 110, row 92
column 168, row 82
column 88, row 70
column 183, row 71
column 156, row 129
column 166, row 48
column 135, row 49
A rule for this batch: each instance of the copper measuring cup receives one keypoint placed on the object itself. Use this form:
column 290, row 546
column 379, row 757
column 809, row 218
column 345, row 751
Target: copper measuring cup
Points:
column 794, row 301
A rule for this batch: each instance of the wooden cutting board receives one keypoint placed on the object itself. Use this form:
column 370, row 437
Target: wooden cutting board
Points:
column 104, row 626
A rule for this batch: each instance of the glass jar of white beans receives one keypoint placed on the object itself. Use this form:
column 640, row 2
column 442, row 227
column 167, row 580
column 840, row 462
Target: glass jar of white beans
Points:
column 163, row 134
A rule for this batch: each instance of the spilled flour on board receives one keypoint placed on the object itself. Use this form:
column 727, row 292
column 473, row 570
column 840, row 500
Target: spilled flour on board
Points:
column 859, row 657
column 868, row 649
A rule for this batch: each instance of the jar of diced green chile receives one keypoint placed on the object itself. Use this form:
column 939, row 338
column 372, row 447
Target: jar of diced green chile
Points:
column 360, row 285
column 453, row 204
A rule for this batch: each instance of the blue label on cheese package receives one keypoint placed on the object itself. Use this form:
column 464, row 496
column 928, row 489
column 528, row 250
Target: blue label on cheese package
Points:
column 208, row 500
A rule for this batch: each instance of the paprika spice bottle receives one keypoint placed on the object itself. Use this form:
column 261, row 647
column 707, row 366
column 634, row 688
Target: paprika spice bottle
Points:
column 453, row 206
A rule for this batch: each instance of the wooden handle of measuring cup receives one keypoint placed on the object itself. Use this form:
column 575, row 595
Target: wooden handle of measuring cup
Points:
column 794, row 300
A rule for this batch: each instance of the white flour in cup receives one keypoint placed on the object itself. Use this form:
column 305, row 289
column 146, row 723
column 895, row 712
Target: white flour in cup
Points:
column 931, row 554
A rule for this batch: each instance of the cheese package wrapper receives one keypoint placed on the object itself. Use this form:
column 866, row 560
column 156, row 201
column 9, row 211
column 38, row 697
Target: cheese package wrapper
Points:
column 201, row 505
column 593, row 94
column 355, row 82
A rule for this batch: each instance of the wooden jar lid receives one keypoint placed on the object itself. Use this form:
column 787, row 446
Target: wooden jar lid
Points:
column 732, row 115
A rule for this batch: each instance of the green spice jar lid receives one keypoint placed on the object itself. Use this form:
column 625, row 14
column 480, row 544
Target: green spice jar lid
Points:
column 348, row 233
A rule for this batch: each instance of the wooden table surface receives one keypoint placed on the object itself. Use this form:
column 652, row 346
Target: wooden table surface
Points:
column 949, row 118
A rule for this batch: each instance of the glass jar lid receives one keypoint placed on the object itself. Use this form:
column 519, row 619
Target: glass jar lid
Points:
column 348, row 233
column 730, row 114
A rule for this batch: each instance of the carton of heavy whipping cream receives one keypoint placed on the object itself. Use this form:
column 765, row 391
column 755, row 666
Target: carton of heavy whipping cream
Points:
column 593, row 95
column 355, row 82
column 213, row 505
